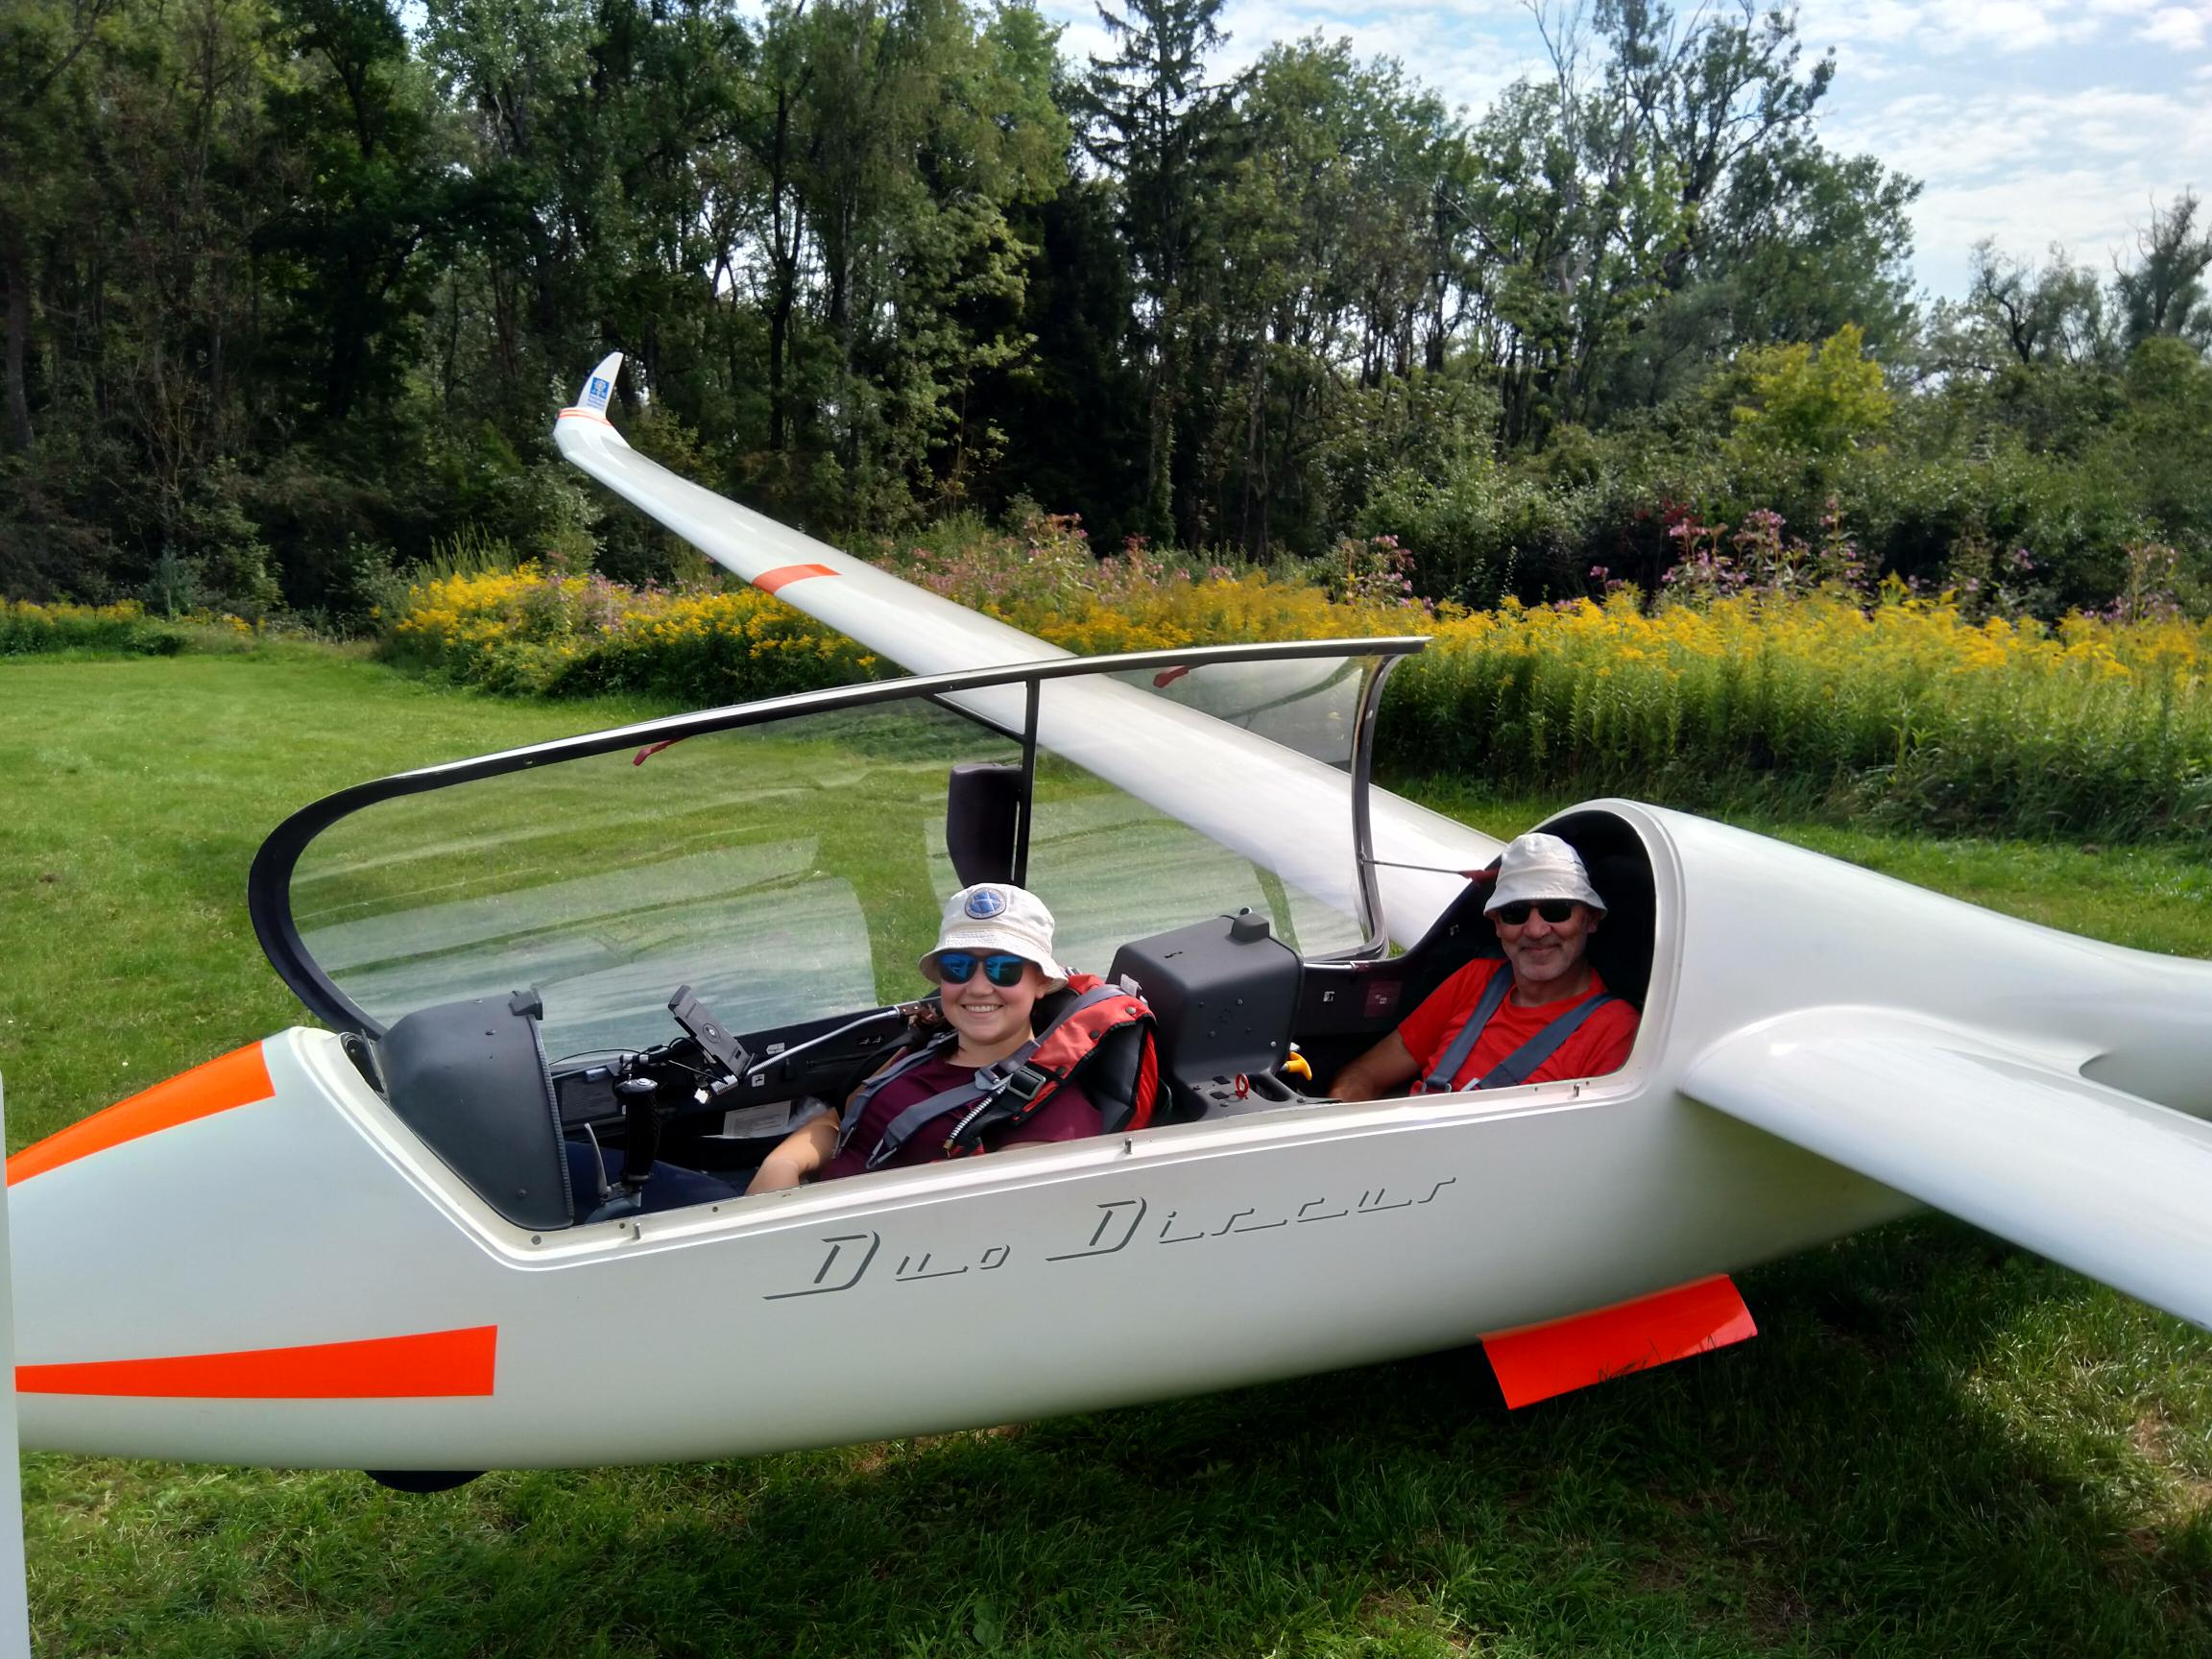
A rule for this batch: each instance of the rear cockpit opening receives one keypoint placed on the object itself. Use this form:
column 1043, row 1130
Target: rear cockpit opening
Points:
column 1620, row 867
column 1346, row 1007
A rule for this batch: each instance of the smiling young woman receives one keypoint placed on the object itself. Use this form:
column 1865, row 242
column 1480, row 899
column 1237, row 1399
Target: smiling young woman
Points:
column 992, row 962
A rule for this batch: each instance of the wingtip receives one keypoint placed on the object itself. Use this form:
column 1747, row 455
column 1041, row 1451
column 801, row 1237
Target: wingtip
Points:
column 599, row 384
column 592, row 401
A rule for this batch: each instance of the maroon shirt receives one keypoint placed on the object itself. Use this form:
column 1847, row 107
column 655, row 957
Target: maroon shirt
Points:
column 1068, row 1116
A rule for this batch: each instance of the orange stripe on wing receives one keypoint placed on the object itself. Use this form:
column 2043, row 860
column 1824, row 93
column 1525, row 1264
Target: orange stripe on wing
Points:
column 783, row 575
column 436, row 1364
column 238, row 1078
column 1540, row 1360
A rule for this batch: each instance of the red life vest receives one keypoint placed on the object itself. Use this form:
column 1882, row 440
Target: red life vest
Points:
column 1012, row 1090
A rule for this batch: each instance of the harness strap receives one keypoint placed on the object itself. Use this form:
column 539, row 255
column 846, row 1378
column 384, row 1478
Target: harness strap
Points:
column 1447, row 1067
column 1517, row 1067
column 1010, row 1074
column 901, row 1128
column 857, row 1106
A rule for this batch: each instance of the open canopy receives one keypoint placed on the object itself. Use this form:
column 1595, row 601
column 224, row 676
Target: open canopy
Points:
column 790, row 858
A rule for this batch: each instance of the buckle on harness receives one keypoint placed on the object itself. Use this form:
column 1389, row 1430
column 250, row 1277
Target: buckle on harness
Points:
column 1021, row 1084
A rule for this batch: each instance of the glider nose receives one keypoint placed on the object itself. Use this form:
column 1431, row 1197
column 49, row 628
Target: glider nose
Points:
column 96, row 1232
column 238, row 1078
column 196, row 1267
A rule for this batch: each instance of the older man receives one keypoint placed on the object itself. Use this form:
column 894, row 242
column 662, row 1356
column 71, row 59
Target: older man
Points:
column 1541, row 1014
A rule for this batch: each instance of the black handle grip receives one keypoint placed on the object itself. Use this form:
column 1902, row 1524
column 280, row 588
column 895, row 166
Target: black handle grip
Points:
column 640, row 1128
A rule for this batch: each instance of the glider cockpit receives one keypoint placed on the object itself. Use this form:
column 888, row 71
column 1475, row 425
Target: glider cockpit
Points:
column 669, row 937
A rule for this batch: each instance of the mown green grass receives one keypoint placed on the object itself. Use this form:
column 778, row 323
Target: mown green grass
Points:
column 1938, row 1445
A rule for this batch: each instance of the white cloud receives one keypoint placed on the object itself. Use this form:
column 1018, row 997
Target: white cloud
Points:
column 1979, row 99
column 1464, row 51
column 2028, row 168
column 2014, row 28
column 1844, row 23
column 2183, row 28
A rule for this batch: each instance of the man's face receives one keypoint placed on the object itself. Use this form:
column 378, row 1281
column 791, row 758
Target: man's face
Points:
column 1544, row 953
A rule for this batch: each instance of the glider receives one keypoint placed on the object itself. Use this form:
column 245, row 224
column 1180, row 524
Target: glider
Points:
column 670, row 935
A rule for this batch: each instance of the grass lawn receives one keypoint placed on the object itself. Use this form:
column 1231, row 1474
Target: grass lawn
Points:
column 1938, row 1444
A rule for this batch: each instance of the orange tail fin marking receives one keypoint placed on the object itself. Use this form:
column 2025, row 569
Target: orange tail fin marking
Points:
column 1540, row 1360
column 436, row 1364
column 238, row 1078
column 783, row 575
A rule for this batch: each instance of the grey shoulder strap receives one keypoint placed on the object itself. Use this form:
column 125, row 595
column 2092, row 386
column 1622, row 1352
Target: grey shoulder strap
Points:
column 858, row 1105
column 1447, row 1067
column 1520, row 1065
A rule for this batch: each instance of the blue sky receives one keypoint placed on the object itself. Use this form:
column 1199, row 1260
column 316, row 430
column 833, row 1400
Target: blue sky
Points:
column 2032, row 121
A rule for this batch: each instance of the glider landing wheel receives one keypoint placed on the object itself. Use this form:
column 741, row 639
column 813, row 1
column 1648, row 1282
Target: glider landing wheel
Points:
column 421, row 1479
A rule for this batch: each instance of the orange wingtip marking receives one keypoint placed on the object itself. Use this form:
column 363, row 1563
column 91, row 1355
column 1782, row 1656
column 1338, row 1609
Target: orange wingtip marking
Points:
column 783, row 575
column 436, row 1364
column 1540, row 1360
column 238, row 1078
column 583, row 414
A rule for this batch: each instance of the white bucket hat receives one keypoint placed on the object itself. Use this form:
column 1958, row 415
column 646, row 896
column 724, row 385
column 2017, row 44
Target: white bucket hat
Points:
column 1540, row 866
column 993, row 916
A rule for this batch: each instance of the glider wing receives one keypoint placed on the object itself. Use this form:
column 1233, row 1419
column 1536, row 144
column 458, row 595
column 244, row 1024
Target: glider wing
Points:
column 2104, row 1181
column 1280, row 809
column 923, row 632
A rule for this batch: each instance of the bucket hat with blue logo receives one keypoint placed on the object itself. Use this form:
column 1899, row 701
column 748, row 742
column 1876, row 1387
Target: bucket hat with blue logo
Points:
column 994, row 916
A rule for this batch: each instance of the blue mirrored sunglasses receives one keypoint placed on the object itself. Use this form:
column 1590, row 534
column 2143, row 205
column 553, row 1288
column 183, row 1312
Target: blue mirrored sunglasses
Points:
column 958, row 966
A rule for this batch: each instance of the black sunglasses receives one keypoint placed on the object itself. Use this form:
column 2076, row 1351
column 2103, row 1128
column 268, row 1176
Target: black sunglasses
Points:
column 1552, row 910
column 958, row 966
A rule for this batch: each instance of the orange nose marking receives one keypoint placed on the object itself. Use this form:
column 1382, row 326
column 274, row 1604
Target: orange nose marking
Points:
column 238, row 1078
column 435, row 1364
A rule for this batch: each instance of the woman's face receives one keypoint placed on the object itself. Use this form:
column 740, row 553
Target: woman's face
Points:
column 986, row 1015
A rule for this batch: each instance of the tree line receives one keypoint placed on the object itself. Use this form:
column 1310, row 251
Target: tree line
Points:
column 292, row 288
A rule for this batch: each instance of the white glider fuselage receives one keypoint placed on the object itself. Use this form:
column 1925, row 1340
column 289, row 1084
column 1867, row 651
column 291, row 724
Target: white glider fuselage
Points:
column 1042, row 1280
column 262, row 1262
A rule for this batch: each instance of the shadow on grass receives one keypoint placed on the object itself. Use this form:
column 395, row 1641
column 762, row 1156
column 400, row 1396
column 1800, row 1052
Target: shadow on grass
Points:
column 1929, row 1450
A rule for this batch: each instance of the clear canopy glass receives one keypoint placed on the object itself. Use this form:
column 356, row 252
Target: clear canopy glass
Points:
column 793, row 864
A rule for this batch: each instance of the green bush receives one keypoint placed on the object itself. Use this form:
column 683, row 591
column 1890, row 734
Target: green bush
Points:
column 121, row 629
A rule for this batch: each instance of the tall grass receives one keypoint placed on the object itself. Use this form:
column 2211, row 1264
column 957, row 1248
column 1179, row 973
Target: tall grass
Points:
column 1906, row 707
column 539, row 632
column 1911, row 708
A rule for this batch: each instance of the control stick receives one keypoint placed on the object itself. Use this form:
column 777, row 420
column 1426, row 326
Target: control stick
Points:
column 641, row 1129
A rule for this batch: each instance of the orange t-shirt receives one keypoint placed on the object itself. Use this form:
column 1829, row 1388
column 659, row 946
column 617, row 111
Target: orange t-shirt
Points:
column 1599, row 1044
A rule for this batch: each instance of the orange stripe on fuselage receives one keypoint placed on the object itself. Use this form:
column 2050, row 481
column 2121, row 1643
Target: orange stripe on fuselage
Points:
column 583, row 414
column 238, row 1078
column 436, row 1364
column 1541, row 1361
column 783, row 575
